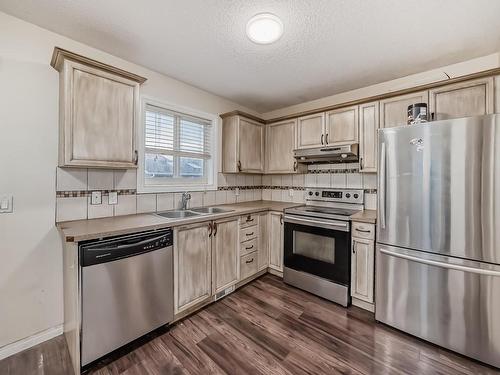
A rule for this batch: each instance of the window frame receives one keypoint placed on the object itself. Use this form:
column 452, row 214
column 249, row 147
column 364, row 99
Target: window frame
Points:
column 180, row 184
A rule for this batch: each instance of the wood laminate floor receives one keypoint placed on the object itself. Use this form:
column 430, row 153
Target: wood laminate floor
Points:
column 266, row 327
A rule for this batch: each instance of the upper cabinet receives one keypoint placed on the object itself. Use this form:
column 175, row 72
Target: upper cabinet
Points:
column 368, row 142
column 464, row 99
column 242, row 144
column 342, row 126
column 280, row 143
column 98, row 111
column 394, row 111
column 311, row 131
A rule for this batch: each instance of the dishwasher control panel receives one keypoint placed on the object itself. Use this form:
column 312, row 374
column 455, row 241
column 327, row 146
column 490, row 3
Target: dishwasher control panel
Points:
column 115, row 248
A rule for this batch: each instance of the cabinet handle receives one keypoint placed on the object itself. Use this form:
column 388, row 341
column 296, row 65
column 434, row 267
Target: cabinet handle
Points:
column 239, row 166
column 363, row 230
column 326, row 138
column 353, row 250
column 249, row 261
column 248, row 248
column 249, row 219
column 249, row 234
column 136, row 157
column 210, row 229
column 295, row 166
column 322, row 136
column 361, row 164
column 281, row 219
column 215, row 229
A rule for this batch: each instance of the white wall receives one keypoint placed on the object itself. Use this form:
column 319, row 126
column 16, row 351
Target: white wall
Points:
column 455, row 70
column 30, row 249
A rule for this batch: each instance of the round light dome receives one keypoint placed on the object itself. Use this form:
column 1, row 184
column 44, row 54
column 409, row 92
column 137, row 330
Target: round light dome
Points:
column 264, row 28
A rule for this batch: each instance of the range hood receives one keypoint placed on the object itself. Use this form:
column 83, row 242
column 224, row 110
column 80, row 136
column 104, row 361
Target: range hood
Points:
column 328, row 154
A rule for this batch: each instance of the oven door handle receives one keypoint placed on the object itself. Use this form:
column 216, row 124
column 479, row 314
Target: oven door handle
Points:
column 335, row 225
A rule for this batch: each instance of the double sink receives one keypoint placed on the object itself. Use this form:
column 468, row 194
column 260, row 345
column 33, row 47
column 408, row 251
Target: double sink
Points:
column 181, row 214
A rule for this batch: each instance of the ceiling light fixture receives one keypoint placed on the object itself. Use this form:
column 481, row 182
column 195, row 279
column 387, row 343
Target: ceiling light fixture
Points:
column 264, row 28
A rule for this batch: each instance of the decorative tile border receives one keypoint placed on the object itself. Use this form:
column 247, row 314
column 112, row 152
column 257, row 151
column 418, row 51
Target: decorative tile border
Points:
column 333, row 171
column 87, row 193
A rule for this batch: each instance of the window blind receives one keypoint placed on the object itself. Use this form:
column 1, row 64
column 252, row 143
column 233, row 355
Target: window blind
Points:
column 173, row 133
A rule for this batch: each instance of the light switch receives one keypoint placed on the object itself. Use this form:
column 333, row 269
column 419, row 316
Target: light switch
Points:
column 96, row 197
column 6, row 204
column 113, row 197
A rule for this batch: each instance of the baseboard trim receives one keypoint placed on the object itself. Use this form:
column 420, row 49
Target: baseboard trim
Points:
column 364, row 305
column 28, row 342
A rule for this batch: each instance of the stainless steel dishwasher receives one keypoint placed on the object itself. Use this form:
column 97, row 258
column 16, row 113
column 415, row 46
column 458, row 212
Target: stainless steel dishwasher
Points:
column 126, row 290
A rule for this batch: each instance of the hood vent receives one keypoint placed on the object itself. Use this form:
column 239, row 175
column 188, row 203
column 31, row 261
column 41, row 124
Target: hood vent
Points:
column 329, row 154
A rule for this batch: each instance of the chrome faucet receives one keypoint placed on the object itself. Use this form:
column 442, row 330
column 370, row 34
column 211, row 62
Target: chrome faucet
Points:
column 185, row 198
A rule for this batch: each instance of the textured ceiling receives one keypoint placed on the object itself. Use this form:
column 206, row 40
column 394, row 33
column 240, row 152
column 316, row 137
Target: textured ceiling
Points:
column 329, row 46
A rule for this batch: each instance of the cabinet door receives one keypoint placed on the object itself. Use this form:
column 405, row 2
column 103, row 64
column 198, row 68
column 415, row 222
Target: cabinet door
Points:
column 98, row 118
column 251, row 146
column 362, row 269
column 276, row 241
column 192, row 265
column 472, row 98
column 394, row 111
column 280, row 143
column 310, row 131
column 342, row 126
column 368, row 142
column 263, row 248
column 225, row 254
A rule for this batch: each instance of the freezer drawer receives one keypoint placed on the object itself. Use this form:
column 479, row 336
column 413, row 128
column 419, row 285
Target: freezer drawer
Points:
column 448, row 301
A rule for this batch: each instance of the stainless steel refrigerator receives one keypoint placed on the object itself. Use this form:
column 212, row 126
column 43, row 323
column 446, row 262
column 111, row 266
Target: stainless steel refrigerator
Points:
column 438, row 233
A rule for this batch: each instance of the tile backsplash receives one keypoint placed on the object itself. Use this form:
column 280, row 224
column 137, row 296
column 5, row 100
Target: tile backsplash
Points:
column 74, row 187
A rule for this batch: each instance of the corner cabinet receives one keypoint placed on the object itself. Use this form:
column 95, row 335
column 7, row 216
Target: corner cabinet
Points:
column 242, row 144
column 280, row 143
column 98, row 113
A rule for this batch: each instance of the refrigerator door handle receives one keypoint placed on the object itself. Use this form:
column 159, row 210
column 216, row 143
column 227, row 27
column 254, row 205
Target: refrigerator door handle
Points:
column 430, row 262
column 382, row 186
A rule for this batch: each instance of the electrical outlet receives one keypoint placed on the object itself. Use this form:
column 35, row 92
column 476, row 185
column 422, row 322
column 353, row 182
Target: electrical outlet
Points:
column 113, row 197
column 290, row 192
column 6, row 204
column 96, row 197
column 237, row 192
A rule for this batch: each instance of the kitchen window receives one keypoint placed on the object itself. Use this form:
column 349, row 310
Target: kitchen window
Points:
column 177, row 149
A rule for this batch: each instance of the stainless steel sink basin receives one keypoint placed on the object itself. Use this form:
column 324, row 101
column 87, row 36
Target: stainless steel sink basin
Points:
column 210, row 210
column 177, row 214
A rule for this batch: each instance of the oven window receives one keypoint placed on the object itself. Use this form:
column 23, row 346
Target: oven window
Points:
column 314, row 246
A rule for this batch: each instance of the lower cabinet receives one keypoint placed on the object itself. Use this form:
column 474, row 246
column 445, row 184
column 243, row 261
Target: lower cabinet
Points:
column 363, row 267
column 225, row 256
column 192, row 265
column 276, row 241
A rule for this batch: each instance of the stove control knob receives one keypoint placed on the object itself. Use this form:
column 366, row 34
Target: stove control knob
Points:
column 348, row 195
column 317, row 193
column 356, row 196
column 310, row 193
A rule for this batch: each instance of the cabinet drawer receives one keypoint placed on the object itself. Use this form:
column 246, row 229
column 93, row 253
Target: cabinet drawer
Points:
column 363, row 230
column 249, row 220
column 248, row 265
column 249, row 246
column 249, row 233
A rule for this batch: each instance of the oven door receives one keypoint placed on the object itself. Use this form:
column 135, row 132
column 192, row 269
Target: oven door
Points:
column 320, row 247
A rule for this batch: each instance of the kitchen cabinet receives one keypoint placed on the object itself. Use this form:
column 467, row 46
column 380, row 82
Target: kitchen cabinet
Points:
column 225, row 255
column 242, row 145
column 394, row 111
column 276, row 241
column 342, row 126
column 98, row 112
column 280, row 143
column 464, row 99
column 311, row 131
column 263, row 247
column 368, row 141
column 363, row 264
column 249, row 244
column 192, row 265
column 497, row 94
